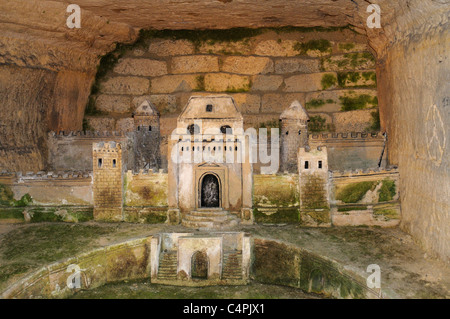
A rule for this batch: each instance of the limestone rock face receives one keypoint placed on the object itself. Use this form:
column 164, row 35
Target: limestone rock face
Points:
column 141, row 67
column 414, row 96
column 23, row 120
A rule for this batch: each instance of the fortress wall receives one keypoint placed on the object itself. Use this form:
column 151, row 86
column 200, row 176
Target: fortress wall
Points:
column 73, row 150
column 51, row 188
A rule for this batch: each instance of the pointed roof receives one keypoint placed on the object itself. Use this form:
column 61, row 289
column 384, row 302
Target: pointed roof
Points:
column 146, row 108
column 295, row 112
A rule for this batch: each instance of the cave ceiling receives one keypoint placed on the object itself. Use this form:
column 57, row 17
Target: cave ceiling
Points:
column 34, row 33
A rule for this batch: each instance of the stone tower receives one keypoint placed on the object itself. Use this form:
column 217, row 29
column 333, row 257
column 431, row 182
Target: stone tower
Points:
column 108, row 181
column 147, row 154
column 294, row 134
column 313, row 182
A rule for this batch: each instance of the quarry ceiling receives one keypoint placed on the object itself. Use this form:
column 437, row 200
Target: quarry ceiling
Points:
column 34, row 32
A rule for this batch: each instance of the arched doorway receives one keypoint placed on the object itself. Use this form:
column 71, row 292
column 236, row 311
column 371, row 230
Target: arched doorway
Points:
column 210, row 191
column 199, row 265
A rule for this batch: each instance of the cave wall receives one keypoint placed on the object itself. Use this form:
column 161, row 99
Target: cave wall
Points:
column 414, row 91
column 331, row 73
column 35, row 101
column 24, row 95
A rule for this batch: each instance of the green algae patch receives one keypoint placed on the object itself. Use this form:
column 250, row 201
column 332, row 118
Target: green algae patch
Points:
column 275, row 191
column 388, row 214
column 146, row 190
column 359, row 102
column 346, row 46
column 387, row 191
column 315, row 217
column 356, row 79
column 317, row 124
column 354, row 192
column 143, row 289
column 325, row 277
column 11, row 215
column 49, row 242
column 316, row 103
column 154, row 216
column 6, row 195
column 321, row 45
column 275, row 263
column 7, row 198
column 376, row 125
column 349, row 61
column 314, row 193
column 328, row 81
column 277, row 216
column 146, row 215
column 358, row 59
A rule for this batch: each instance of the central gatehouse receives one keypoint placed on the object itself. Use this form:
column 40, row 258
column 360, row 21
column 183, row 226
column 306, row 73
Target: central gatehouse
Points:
column 210, row 172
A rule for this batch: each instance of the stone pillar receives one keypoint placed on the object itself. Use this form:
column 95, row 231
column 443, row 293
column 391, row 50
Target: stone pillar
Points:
column 247, row 186
column 173, row 214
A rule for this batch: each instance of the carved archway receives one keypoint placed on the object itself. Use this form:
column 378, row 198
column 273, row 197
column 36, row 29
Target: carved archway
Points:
column 210, row 191
column 199, row 265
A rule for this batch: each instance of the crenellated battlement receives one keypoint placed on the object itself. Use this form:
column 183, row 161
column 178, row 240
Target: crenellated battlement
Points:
column 146, row 172
column 43, row 175
column 106, row 147
column 86, row 134
column 370, row 171
column 345, row 136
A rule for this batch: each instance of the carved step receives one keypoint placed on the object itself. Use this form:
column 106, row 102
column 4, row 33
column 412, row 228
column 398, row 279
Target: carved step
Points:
column 167, row 269
column 232, row 265
column 216, row 218
column 208, row 213
column 211, row 218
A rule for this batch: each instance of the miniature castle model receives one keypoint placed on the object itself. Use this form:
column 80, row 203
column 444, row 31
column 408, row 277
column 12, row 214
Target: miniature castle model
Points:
column 209, row 173
column 207, row 178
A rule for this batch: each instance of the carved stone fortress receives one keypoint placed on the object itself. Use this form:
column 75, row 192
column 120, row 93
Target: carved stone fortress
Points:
column 210, row 180
column 210, row 172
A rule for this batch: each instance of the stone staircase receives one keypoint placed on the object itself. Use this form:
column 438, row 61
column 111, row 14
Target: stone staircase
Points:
column 167, row 269
column 215, row 218
column 232, row 265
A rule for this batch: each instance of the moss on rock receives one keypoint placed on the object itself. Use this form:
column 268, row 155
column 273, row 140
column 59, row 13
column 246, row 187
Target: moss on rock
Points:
column 387, row 191
column 354, row 192
column 280, row 216
column 328, row 80
column 321, row 45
